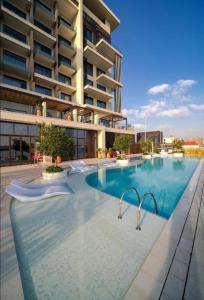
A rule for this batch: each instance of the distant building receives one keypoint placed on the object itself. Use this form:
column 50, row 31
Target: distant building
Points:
column 191, row 145
column 155, row 136
column 168, row 140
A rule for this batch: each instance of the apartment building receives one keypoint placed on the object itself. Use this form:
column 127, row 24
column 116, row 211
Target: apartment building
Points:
column 58, row 66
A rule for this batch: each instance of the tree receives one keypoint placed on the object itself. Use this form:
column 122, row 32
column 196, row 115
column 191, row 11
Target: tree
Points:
column 177, row 145
column 146, row 147
column 122, row 143
column 54, row 142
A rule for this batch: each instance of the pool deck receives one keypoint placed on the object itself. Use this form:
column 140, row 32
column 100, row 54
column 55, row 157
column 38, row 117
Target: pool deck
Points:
column 174, row 269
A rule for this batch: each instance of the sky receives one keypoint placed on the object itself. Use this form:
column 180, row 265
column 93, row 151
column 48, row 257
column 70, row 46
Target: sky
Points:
column 163, row 65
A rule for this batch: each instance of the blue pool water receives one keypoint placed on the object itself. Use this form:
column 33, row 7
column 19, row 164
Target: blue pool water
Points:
column 167, row 178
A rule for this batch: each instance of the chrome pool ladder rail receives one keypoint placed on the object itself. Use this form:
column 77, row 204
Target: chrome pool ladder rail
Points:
column 140, row 206
column 121, row 199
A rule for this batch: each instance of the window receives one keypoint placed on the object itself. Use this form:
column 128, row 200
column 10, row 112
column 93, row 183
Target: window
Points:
column 14, row 9
column 64, row 79
column 43, row 70
column 88, row 35
column 13, row 59
column 6, row 128
column 42, row 26
column 64, row 60
column 20, row 129
column 101, row 104
column 67, row 97
column 65, row 41
column 43, row 48
column 47, row 8
column 15, row 82
column 105, row 122
column 88, row 69
column 88, row 100
column 14, row 34
column 88, row 81
column 43, row 90
column 64, row 22
column 99, row 72
column 101, row 87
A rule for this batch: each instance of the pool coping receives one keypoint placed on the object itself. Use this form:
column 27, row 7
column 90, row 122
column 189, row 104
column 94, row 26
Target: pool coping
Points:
column 12, row 289
column 150, row 280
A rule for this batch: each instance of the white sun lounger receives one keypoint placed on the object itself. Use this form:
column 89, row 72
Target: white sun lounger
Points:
column 29, row 195
column 81, row 166
column 21, row 183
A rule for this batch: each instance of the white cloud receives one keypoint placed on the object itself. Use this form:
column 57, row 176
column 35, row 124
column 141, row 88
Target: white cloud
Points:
column 186, row 82
column 151, row 109
column 158, row 89
column 181, row 111
column 196, row 106
column 139, row 126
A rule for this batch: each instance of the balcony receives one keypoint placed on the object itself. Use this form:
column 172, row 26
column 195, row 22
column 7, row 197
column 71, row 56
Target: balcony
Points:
column 107, row 50
column 97, row 93
column 11, row 67
column 66, row 68
column 65, row 49
column 65, row 29
column 108, row 81
column 97, row 59
column 52, row 83
column 43, row 12
column 14, row 44
column 43, row 57
column 68, row 9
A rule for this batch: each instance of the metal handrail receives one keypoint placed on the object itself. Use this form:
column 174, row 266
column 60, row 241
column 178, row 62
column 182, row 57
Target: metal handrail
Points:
column 121, row 199
column 140, row 205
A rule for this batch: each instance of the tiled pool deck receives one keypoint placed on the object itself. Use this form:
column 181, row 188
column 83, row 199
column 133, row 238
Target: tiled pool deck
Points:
column 174, row 265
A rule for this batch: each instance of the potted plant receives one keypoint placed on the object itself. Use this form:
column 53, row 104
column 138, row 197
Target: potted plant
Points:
column 54, row 142
column 146, row 147
column 104, row 150
column 122, row 144
column 69, row 116
column 99, row 151
column 39, row 108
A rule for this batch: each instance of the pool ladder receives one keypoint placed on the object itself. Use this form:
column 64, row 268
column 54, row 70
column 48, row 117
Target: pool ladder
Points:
column 140, row 200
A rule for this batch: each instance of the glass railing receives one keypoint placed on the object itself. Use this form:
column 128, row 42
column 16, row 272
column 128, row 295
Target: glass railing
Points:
column 67, row 64
column 44, row 8
column 14, row 9
column 65, row 23
column 14, row 34
column 40, row 51
column 66, row 44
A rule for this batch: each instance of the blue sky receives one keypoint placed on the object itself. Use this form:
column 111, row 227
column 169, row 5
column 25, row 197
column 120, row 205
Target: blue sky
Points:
column 163, row 65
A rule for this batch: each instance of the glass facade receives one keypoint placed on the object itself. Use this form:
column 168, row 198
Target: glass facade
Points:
column 88, row 69
column 64, row 79
column 42, row 26
column 43, row 48
column 88, row 34
column 14, row 81
column 101, row 104
column 14, row 9
column 43, row 90
column 14, row 60
column 18, row 142
column 101, row 87
column 42, row 70
column 14, row 34
column 88, row 100
column 67, row 97
column 64, row 60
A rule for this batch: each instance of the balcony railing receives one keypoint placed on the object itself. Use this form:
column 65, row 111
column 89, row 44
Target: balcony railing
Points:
column 67, row 64
column 66, row 44
column 46, row 9
column 65, row 23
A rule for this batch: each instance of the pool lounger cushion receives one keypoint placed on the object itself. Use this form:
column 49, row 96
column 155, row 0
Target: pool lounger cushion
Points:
column 28, row 195
column 81, row 166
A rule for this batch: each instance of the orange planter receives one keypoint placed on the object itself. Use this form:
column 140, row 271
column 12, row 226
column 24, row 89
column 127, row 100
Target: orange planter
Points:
column 108, row 155
column 59, row 159
column 99, row 155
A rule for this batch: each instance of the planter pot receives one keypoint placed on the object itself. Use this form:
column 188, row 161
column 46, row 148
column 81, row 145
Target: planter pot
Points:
column 180, row 154
column 146, row 156
column 47, row 159
column 100, row 155
column 59, row 159
column 108, row 155
column 69, row 118
column 54, row 176
column 122, row 162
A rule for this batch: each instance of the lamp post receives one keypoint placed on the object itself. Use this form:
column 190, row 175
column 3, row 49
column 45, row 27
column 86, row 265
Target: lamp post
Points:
column 145, row 128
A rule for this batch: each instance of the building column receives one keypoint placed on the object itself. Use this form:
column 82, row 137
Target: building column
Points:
column 101, row 138
column 44, row 108
column 74, row 114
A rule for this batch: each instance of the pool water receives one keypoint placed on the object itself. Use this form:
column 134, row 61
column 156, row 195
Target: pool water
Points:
column 167, row 178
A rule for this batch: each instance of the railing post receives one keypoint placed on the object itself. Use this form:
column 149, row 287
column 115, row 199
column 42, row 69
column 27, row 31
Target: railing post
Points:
column 138, row 220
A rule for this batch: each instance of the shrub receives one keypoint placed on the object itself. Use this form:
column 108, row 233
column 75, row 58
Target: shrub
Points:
column 146, row 147
column 53, row 169
column 122, row 143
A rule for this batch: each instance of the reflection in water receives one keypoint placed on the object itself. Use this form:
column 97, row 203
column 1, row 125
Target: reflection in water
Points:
column 163, row 176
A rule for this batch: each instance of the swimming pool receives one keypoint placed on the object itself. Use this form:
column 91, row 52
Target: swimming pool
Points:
column 165, row 177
